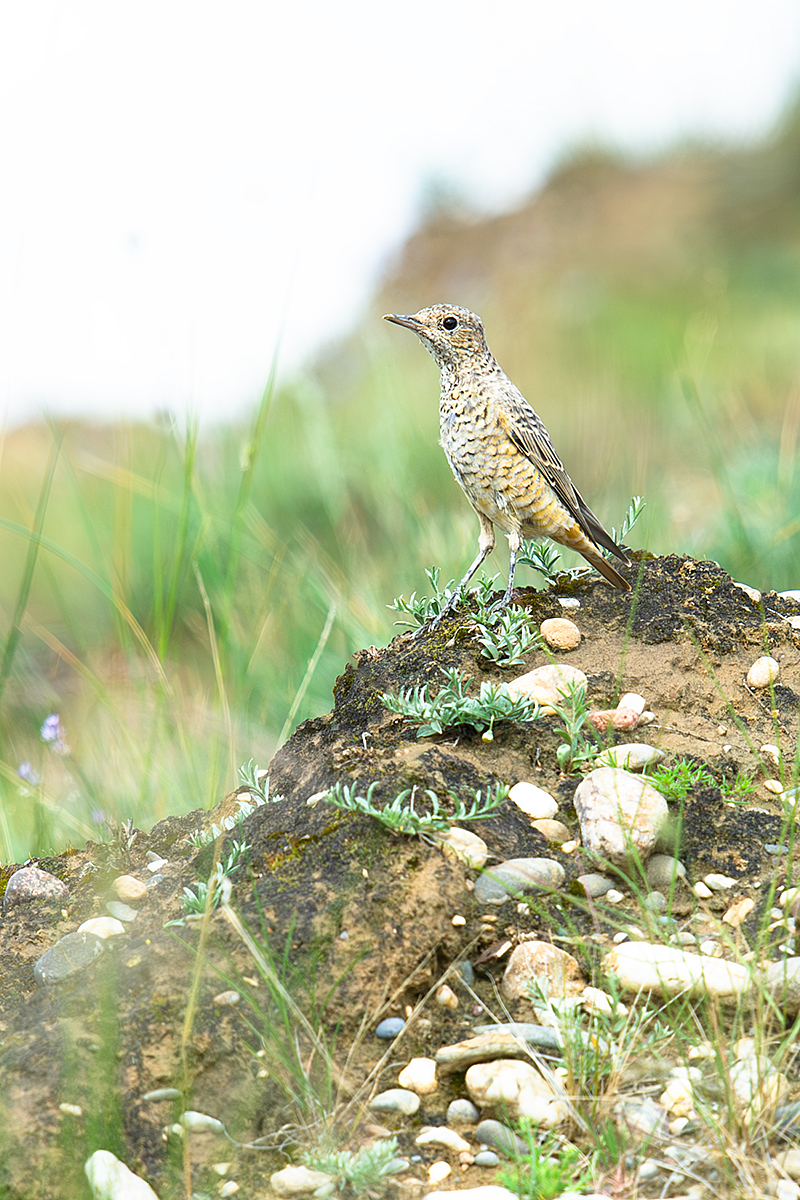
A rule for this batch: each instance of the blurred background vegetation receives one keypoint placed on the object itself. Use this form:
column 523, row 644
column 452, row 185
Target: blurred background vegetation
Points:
column 183, row 601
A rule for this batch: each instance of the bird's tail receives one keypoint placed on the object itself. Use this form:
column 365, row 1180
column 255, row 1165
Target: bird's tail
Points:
column 606, row 570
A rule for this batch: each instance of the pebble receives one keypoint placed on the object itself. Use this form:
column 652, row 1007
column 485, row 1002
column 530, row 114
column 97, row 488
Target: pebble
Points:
column 419, row 1076
column 71, row 1110
column 123, row 912
column 782, row 982
column 516, row 877
column 446, row 997
column 764, row 671
column 546, row 684
column 494, row 1133
column 772, row 753
column 440, row 1135
column 398, row 1100
column 464, row 846
column 753, row 593
column 633, row 756
column 128, row 889
column 31, row 883
column 702, row 890
column 594, row 884
column 663, row 871
column 227, row 998
column 490, row 1044
column 773, row 785
column 71, row 954
column 110, row 1179
column 790, row 1161
column 390, row 1027
column 738, row 912
column 552, row 831
column 620, row 814
column 791, row 594
column 666, row 970
column 298, row 1181
column 538, row 1035
column 656, row 901
column 102, row 927
column 486, row 1158
column 156, row 864
column 462, row 1112
column 633, row 701
column 458, row 920
column 560, row 633
column 533, row 800
column 438, row 1171
column 516, row 1087
column 553, row 970
column 622, row 719
column 160, row 1094
column 718, row 883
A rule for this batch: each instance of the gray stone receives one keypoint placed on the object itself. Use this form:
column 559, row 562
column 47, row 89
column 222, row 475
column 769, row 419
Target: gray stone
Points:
column 390, row 1027
column 30, row 883
column 663, row 872
column 537, row 1035
column 398, row 1100
column 595, row 885
column 486, row 1158
column 462, row 1112
column 123, row 912
column 71, row 954
column 516, row 877
column 493, row 1133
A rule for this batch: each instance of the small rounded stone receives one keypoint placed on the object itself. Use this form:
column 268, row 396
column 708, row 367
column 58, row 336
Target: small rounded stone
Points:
column 764, row 671
column 399, row 1100
column 552, row 831
column 128, row 889
column 486, row 1158
column 534, row 801
column 462, row 1112
column 30, row 883
column 560, row 633
column 390, row 1027
column 419, row 1076
column 103, row 927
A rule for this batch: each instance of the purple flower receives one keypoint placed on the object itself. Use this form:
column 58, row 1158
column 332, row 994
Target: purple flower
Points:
column 52, row 732
column 99, row 817
column 26, row 772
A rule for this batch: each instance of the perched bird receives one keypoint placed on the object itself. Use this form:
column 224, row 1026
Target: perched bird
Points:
column 500, row 452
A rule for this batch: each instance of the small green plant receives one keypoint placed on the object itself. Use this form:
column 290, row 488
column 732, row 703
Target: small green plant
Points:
column 363, row 1172
column 578, row 751
column 195, row 901
column 740, row 788
column 425, row 608
column 676, row 780
column 505, row 642
column 452, row 706
column 635, row 510
column 551, row 1167
column 401, row 817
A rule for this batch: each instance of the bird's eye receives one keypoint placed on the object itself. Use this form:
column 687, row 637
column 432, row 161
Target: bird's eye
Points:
column 450, row 323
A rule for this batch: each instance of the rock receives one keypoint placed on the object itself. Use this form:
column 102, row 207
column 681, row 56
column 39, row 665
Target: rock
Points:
column 542, row 1036
column 738, row 912
column 554, row 971
column 552, row 831
column 463, row 845
column 72, row 953
column 438, row 1171
column 782, row 983
column 753, row 593
column 399, row 1100
column 30, row 883
column 494, row 1133
column 546, row 684
column 633, row 702
column 594, row 884
column 390, row 1027
column 446, row 997
column 516, row 877
column 663, row 872
column 702, row 890
column 128, row 889
column 227, row 998
column 492, row 1042
column 516, row 1087
column 462, row 1112
column 621, row 719
column 200, row 1122
column 718, row 883
column 490, row 1192
column 102, row 927
column 440, row 1135
column 533, row 800
column 122, row 912
column 419, row 1076
column 678, row 1098
column 560, row 633
column 110, row 1179
column 487, row 1158
column 620, row 815
column 764, row 671
column 298, row 1181
column 642, row 966
column 772, row 754
column 633, row 756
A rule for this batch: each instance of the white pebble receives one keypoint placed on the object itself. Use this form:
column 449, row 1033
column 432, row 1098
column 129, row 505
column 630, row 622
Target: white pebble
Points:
column 419, row 1076
column 773, row 785
column 571, row 603
column 534, row 801
column 104, row 927
column 438, row 1171
column 753, row 593
column 633, row 756
column 547, row 684
column 719, row 883
column 440, row 1135
column 764, row 671
column 773, row 753
column 613, row 896
column 446, row 997
column 224, row 999
column 197, row 1122
column 633, row 701
column 463, row 845
column 701, row 890
column 71, row 1110
column 110, row 1179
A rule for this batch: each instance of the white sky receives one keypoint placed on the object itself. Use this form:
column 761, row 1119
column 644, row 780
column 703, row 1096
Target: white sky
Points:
column 186, row 185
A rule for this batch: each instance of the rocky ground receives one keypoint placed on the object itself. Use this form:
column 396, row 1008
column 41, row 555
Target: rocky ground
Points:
column 366, row 926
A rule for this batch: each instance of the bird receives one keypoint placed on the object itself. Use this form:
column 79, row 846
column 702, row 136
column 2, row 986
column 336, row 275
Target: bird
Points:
column 501, row 453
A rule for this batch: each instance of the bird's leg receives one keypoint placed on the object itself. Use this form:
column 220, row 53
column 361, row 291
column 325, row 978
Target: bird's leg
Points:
column 514, row 546
column 485, row 546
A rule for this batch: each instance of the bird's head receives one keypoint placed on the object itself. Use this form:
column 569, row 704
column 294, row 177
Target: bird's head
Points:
column 453, row 335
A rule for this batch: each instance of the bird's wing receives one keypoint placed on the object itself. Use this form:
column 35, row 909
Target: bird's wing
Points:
column 526, row 430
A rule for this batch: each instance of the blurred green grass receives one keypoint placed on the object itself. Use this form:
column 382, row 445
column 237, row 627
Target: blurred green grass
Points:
column 193, row 595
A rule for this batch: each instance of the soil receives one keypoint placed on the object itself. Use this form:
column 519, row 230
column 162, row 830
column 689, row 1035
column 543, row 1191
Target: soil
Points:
column 363, row 919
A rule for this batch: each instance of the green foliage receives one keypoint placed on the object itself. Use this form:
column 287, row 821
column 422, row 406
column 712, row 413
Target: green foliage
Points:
column 507, row 640
column 635, row 510
column 425, row 608
column 550, row 1167
column 195, row 898
column 452, row 706
column 363, row 1172
column 578, row 751
column 677, row 779
column 400, row 816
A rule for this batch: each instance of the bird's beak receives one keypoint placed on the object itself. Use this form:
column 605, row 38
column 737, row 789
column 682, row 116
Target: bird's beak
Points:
column 398, row 319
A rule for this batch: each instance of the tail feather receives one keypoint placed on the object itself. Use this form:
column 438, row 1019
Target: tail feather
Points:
column 606, row 570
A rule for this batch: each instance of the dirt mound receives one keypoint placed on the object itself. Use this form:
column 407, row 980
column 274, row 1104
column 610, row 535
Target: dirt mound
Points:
column 345, row 900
